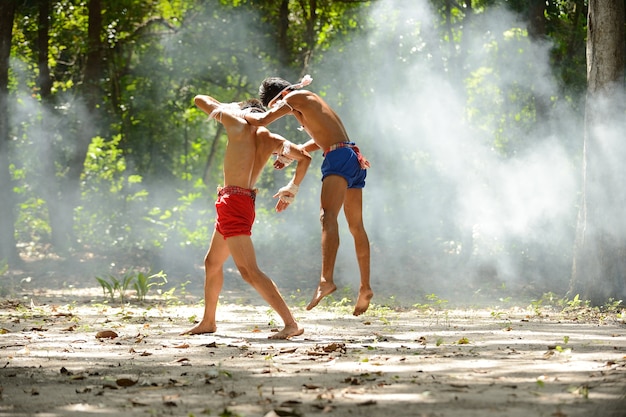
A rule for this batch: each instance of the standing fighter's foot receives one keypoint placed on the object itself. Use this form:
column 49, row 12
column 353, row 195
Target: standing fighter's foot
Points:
column 324, row 289
column 289, row 331
column 363, row 302
column 201, row 328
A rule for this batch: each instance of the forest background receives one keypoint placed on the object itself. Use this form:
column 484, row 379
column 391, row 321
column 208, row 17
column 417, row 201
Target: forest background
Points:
column 475, row 116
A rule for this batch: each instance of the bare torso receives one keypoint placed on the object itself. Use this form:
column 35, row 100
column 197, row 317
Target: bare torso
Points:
column 247, row 152
column 318, row 119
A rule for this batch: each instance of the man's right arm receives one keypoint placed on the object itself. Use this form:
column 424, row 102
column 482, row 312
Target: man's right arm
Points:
column 206, row 103
column 270, row 116
column 228, row 114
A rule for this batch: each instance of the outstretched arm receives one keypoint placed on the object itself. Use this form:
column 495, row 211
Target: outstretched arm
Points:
column 206, row 103
column 265, row 118
column 225, row 113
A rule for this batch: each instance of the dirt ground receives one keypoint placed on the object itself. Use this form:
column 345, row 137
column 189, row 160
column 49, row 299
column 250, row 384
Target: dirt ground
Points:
column 71, row 354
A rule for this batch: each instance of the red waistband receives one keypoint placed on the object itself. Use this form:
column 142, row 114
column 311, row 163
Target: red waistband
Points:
column 340, row 145
column 233, row 189
column 362, row 160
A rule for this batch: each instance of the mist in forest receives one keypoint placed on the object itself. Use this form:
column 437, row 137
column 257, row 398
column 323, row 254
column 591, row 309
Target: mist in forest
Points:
column 445, row 208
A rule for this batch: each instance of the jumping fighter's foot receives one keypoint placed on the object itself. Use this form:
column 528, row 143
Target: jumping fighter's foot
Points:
column 363, row 302
column 289, row 331
column 201, row 328
column 324, row 289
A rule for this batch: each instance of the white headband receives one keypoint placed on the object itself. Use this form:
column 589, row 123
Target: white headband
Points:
column 306, row 80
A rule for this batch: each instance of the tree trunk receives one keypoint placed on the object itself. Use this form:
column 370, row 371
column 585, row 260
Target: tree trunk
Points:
column 88, row 127
column 8, row 248
column 599, row 266
column 60, row 222
column 537, row 19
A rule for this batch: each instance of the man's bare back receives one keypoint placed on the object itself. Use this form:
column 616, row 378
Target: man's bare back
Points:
column 247, row 152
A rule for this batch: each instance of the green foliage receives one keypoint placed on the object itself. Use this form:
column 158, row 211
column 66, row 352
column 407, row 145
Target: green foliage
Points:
column 433, row 302
column 115, row 287
column 112, row 198
column 149, row 174
column 506, row 115
column 576, row 308
column 143, row 283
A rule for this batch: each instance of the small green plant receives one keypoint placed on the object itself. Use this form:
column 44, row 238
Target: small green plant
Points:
column 582, row 390
column 576, row 303
column 540, row 381
column 433, row 302
column 612, row 306
column 271, row 318
column 144, row 282
column 112, row 286
column 109, row 286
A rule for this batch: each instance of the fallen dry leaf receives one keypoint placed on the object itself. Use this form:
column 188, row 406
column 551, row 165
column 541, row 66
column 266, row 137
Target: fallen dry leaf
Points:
column 333, row 347
column 352, row 381
column 106, row 334
column 290, row 403
column 125, row 382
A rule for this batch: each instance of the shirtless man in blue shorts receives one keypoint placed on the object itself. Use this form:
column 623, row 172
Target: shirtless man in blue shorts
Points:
column 343, row 176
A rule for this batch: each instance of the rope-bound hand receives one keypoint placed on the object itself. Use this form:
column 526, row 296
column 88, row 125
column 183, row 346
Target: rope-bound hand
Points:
column 286, row 195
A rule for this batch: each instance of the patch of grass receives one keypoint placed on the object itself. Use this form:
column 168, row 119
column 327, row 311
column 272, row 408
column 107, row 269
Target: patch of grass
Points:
column 143, row 282
column 115, row 287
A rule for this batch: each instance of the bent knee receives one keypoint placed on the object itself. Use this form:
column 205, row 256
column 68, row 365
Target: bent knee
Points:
column 327, row 216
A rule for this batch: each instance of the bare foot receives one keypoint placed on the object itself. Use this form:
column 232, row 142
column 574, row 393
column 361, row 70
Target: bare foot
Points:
column 363, row 302
column 322, row 291
column 289, row 331
column 201, row 328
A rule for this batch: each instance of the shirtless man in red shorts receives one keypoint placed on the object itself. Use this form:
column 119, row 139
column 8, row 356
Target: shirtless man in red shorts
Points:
column 343, row 176
column 247, row 152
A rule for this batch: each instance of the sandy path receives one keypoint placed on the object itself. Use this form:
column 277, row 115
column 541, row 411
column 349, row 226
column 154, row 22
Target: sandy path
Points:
column 412, row 363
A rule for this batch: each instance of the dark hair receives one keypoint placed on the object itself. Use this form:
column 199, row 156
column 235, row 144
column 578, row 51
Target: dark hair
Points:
column 254, row 104
column 270, row 88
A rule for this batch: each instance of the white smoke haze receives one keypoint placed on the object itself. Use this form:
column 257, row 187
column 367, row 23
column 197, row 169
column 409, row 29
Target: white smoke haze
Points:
column 435, row 172
column 445, row 208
